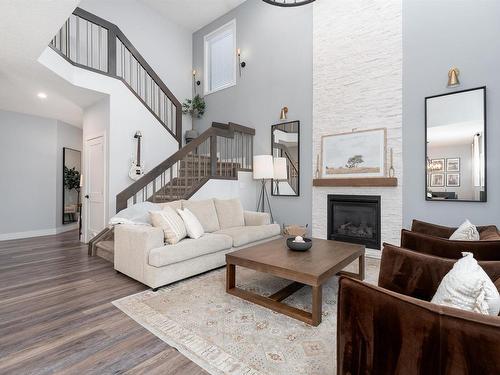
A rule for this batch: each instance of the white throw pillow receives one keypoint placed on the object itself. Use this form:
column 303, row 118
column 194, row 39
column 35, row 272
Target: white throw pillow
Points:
column 171, row 223
column 193, row 226
column 465, row 232
column 468, row 287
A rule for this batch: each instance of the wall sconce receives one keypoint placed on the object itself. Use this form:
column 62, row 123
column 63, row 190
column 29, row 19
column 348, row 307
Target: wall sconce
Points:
column 241, row 64
column 195, row 82
column 283, row 113
column 453, row 80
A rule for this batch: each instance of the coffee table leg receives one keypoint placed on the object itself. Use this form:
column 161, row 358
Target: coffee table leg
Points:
column 230, row 276
column 362, row 267
column 317, row 304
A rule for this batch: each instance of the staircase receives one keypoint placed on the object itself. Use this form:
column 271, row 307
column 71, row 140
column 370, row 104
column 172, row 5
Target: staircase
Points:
column 219, row 153
column 90, row 42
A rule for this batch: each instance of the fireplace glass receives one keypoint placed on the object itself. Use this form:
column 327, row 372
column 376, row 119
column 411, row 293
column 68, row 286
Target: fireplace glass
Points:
column 354, row 219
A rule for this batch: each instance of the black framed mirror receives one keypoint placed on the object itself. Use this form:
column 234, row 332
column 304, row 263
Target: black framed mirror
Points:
column 285, row 146
column 455, row 149
column 72, row 167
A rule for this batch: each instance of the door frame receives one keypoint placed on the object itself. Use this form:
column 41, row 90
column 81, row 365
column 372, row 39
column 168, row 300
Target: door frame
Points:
column 86, row 169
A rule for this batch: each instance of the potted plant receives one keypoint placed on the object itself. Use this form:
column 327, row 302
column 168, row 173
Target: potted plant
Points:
column 194, row 107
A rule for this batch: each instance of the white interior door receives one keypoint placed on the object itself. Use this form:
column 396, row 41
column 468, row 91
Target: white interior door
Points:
column 95, row 181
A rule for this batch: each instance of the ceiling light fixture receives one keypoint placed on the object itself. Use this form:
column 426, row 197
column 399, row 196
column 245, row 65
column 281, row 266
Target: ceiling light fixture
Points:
column 42, row 95
column 288, row 3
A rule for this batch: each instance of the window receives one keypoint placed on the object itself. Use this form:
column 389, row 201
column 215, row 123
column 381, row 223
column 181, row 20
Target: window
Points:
column 220, row 58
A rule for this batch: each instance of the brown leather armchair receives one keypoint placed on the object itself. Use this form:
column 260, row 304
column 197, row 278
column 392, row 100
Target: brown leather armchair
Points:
column 392, row 328
column 434, row 239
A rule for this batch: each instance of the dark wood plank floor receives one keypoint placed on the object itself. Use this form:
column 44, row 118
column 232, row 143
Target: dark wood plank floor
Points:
column 56, row 315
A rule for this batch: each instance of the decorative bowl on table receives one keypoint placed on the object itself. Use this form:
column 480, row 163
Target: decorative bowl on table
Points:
column 299, row 244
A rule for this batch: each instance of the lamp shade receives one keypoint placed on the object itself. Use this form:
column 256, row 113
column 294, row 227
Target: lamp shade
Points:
column 263, row 167
column 280, row 172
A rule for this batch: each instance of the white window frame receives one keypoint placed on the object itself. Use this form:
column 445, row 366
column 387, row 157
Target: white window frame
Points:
column 231, row 26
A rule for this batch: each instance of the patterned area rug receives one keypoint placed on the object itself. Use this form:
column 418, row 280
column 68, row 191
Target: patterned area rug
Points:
column 227, row 335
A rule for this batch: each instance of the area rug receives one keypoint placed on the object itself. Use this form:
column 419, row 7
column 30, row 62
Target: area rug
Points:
column 226, row 335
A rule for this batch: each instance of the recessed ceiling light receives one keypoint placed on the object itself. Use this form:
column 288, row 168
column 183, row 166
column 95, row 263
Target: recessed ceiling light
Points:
column 42, row 95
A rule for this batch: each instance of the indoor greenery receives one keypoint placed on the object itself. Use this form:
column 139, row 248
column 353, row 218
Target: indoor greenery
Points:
column 194, row 107
column 71, row 178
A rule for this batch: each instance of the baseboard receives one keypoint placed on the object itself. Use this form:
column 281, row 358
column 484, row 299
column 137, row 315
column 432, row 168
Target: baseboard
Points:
column 37, row 233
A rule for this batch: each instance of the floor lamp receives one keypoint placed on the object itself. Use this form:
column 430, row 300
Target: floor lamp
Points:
column 263, row 170
column 280, row 173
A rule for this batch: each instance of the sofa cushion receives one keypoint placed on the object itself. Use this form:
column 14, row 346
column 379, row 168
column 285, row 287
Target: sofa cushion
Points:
column 490, row 234
column 175, row 205
column 205, row 212
column 229, row 213
column 189, row 248
column 244, row 235
column 194, row 228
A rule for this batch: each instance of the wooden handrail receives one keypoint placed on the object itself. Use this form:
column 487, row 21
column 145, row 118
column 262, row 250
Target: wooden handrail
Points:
column 216, row 130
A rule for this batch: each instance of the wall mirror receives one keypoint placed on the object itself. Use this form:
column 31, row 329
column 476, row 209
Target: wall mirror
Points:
column 456, row 146
column 285, row 146
column 72, row 163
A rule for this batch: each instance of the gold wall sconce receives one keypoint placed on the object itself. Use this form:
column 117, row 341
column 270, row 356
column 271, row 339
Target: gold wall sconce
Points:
column 195, row 81
column 283, row 113
column 241, row 64
column 453, row 80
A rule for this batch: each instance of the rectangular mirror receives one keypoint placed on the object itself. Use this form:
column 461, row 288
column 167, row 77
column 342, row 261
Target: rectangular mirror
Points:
column 456, row 146
column 72, row 167
column 285, row 145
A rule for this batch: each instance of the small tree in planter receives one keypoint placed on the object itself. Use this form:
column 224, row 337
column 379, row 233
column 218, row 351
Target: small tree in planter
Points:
column 194, row 107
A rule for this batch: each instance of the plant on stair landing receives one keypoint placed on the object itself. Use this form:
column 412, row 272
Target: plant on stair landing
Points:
column 194, row 107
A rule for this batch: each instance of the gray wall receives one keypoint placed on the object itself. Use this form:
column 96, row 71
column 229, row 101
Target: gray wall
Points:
column 276, row 44
column 31, row 183
column 437, row 35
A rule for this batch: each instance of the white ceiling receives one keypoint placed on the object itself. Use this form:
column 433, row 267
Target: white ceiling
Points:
column 26, row 28
column 192, row 14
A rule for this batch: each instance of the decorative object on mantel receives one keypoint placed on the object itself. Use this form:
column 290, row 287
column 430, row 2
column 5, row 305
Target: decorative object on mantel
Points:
column 356, row 182
column 317, row 173
column 283, row 113
column 288, row 3
column 391, row 168
column 299, row 243
column 354, row 155
column 194, row 107
column 241, row 64
column 453, row 80
column 263, row 169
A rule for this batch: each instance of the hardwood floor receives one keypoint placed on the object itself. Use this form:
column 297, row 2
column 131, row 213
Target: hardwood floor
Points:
column 56, row 315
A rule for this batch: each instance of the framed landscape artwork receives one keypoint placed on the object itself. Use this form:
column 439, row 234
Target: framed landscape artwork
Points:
column 453, row 165
column 453, row 179
column 437, row 165
column 354, row 155
column 437, row 180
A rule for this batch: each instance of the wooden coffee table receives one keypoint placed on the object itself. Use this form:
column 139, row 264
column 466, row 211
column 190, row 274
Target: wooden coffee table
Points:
column 314, row 267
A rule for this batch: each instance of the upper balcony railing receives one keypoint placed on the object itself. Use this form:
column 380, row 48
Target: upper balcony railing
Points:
column 92, row 43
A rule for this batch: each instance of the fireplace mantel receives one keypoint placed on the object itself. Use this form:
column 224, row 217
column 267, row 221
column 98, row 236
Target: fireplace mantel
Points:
column 356, row 182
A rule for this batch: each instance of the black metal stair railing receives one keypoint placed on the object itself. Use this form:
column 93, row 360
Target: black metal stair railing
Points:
column 90, row 42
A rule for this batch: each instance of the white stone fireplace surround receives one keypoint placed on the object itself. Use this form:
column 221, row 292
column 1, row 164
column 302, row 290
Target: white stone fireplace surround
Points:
column 357, row 83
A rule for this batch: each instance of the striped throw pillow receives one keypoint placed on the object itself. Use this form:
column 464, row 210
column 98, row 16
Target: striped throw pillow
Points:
column 171, row 223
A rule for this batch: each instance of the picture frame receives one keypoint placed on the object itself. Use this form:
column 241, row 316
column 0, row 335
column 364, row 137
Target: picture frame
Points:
column 453, row 179
column 437, row 180
column 453, row 165
column 356, row 154
column 439, row 165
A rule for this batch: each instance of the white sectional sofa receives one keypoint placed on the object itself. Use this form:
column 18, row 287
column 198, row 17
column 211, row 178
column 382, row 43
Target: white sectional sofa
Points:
column 140, row 251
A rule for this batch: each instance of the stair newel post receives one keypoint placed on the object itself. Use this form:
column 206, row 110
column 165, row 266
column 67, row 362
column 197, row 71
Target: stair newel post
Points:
column 213, row 155
column 112, row 51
